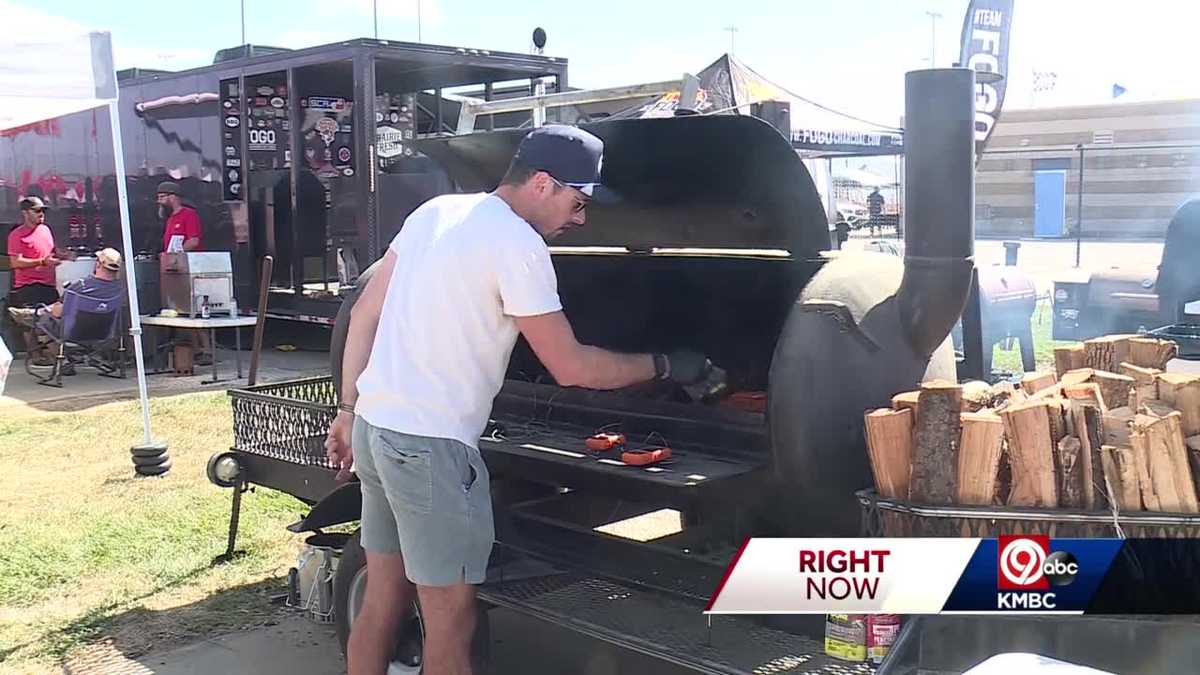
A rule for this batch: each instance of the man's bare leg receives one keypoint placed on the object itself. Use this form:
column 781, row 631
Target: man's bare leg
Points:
column 449, row 614
column 388, row 598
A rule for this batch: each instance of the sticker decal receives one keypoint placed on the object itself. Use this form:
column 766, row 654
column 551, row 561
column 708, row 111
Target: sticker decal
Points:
column 232, row 121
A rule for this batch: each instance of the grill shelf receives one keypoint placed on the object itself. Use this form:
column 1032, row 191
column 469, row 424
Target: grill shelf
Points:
column 661, row 626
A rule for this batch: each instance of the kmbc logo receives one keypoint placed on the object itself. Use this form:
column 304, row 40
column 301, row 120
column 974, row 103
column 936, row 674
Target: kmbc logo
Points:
column 1026, row 564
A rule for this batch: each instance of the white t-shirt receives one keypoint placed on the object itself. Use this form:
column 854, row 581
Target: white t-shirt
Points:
column 466, row 265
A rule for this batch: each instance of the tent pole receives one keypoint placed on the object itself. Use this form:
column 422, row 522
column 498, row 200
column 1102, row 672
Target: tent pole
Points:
column 130, row 275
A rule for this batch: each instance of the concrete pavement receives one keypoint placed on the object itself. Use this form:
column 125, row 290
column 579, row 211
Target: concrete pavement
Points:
column 87, row 388
column 296, row 646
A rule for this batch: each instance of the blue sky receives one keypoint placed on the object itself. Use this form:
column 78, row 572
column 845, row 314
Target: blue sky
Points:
column 848, row 54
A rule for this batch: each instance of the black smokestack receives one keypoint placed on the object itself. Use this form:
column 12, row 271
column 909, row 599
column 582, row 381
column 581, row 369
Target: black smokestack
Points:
column 939, row 202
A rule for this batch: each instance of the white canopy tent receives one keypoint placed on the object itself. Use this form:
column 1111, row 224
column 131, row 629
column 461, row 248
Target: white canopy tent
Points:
column 47, row 74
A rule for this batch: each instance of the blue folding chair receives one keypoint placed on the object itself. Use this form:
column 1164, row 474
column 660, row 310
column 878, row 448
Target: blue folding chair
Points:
column 88, row 334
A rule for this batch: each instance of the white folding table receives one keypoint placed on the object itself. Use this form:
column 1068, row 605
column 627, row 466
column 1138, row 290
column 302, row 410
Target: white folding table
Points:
column 212, row 325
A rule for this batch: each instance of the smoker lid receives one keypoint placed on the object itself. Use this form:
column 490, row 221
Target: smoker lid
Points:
column 722, row 181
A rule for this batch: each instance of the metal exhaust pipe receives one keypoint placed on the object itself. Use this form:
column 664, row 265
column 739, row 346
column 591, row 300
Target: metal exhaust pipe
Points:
column 939, row 203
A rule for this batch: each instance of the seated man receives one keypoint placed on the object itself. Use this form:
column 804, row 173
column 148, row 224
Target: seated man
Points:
column 104, row 283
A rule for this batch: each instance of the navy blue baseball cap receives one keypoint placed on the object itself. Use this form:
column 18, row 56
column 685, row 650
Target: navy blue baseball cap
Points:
column 569, row 154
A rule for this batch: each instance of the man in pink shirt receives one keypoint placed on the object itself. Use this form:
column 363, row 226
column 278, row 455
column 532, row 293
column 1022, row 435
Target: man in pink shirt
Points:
column 32, row 256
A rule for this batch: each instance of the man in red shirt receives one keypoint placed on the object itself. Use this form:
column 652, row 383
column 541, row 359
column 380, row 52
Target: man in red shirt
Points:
column 182, row 221
column 183, row 233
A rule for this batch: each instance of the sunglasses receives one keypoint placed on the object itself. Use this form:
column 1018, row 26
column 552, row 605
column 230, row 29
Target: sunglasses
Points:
column 38, row 210
column 580, row 204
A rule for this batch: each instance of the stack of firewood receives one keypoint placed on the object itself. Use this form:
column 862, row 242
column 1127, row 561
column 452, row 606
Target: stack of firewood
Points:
column 1109, row 429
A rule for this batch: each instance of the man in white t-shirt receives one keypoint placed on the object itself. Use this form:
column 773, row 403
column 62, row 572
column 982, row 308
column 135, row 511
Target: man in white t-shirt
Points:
column 428, row 345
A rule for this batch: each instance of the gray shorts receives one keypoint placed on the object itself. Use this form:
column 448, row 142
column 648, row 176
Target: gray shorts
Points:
column 427, row 498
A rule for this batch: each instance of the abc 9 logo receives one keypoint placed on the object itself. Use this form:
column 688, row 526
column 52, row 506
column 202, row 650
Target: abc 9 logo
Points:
column 1024, row 563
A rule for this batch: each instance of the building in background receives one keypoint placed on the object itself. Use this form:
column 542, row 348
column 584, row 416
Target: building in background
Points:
column 1141, row 161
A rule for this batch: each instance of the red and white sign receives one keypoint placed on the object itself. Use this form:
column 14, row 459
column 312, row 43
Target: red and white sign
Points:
column 1022, row 562
column 855, row 576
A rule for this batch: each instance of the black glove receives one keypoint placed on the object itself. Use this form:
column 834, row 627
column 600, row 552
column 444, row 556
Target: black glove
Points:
column 684, row 367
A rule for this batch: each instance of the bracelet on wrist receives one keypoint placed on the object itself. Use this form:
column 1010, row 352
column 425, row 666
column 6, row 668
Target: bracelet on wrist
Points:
column 346, row 407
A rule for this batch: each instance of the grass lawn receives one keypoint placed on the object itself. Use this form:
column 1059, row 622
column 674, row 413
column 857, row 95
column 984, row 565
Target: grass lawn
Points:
column 96, row 560
column 1043, row 346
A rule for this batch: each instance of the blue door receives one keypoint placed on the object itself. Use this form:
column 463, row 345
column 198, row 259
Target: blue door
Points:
column 1049, row 202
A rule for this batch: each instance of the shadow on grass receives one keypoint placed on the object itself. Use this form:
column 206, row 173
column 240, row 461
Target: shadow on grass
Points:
column 106, row 635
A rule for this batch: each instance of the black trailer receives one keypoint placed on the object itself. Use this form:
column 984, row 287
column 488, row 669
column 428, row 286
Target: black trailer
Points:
column 305, row 155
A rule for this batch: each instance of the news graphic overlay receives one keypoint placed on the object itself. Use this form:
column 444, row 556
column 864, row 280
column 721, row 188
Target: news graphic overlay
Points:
column 1029, row 574
column 859, row 576
column 1033, row 573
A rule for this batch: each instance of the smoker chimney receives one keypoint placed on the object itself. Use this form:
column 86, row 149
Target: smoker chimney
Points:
column 939, row 187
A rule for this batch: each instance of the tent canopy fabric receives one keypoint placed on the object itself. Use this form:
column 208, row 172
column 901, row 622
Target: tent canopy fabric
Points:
column 729, row 87
column 50, row 73
column 44, row 75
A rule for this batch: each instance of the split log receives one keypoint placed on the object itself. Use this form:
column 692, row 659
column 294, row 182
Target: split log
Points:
column 1068, row 358
column 976, row 396
column 905, row 400
column 1145, row 380
column 1154, row 408
column 1032, row 383
column 1106, row 353
column 1121, row 476
column 1151, row 352
column 1116, row 426
column 1113, row 387
column 1031, row 452
column 1077, row 376
column 890, row 448
column 979, row 457
column 1160, row 441
column 1070, row 476
column 1192, row 443
column 1089, row 429
column 935, row 450
column 1182, row 392
column 1089, row 393
column 1004, row 394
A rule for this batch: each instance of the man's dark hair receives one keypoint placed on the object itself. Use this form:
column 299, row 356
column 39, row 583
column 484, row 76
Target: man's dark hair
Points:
column 518, row 172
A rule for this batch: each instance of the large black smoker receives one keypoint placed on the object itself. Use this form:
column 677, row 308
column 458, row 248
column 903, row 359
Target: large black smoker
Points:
column 304, row 155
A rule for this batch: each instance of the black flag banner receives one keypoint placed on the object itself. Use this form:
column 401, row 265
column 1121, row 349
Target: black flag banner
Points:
column 985, row 50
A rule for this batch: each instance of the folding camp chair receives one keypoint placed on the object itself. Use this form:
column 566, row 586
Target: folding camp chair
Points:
column 88, row 334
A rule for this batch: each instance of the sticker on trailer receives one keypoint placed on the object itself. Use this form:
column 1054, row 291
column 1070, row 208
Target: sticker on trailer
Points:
column 230, row 151
column 260, row 101
column 232, row 121
column 388, row 142
column 276, row 102
column 233, row 162
column 347, row 172
column 378, row 117
column 262, row 140
column 228, row 104
column 235, row 188
column 265, row 90
column 394, row 117
column 234, row 175
column 324, row 103
column 344, row 154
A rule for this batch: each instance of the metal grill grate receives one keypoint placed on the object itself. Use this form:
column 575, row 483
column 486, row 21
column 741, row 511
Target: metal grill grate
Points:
column 882, row 517
column 285, row 420
column 666, row 627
